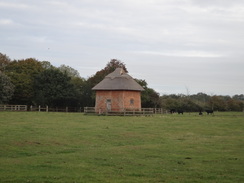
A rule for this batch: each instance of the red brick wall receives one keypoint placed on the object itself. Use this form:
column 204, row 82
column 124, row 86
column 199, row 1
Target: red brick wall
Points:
column 119, row 100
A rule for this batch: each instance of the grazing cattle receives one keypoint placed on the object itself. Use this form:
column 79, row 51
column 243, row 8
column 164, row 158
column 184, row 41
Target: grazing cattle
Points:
column 180, row 111
column 172, row 111
column 209, row 111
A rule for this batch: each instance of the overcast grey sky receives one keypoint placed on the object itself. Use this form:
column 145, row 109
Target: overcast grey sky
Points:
column 175, row 45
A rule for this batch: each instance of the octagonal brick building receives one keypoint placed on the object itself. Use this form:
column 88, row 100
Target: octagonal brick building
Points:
column 116, row 92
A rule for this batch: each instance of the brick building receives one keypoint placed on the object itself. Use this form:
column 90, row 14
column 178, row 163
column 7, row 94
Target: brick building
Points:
column 116, row 92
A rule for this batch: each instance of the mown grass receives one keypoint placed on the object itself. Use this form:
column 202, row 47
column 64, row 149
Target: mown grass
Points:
column 72, row 147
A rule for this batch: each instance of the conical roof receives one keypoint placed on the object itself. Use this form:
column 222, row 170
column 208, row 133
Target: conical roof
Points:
column 118, row 80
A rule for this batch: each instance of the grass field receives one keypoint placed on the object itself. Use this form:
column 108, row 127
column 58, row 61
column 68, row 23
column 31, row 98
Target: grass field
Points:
column 72, row 147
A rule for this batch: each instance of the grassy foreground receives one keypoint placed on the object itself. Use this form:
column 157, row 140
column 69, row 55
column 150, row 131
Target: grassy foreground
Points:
column 72, row 147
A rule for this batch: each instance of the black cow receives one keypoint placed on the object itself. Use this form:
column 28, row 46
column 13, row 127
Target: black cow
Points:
column 209, row 111
column 172, row 111
column 180, row 111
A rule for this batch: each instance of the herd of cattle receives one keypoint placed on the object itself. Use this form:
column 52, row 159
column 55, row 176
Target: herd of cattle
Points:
column 179, row 111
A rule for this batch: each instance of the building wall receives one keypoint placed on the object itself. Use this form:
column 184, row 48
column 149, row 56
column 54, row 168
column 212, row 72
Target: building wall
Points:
column 118, row 100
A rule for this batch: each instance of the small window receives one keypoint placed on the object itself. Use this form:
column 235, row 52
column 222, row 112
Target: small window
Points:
column 132, row 101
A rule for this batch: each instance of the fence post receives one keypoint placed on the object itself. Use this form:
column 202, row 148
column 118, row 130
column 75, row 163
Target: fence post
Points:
column 66, row 109
column 39, row 108
column 47, row 108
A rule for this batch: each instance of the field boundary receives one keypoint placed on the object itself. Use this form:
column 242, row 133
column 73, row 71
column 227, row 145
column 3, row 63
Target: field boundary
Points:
column 13, row 107
column 39, row 108
column 124, row 111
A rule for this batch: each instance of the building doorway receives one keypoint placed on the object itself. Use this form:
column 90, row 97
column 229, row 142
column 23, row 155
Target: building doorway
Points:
column 109, row 105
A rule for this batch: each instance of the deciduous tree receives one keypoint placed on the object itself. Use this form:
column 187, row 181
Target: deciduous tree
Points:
column 4, row 61
column 71, row 72
column 54, row 88
column 149, row 97
column 22, row 74
column 6, row 88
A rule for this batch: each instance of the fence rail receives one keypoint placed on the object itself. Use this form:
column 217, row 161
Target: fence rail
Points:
column 55, row 109
column 87, row 110
column 124, row 111
column 39, row 108
column 90, row 110
column 13, row 107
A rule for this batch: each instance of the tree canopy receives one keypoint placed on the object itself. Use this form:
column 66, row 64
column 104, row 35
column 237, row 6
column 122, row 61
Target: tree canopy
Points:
column 4, row 61
column 6, row 88
column 201, row 102
column 22, row 74
column 53, row 88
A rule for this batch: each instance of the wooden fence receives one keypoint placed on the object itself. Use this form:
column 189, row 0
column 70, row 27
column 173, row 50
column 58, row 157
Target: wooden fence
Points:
column 13, row 107
column 87, row 110
column 125, row 112
column 39, row 108
column 55, row 109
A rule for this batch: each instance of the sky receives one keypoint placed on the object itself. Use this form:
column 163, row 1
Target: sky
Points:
column 177, row 46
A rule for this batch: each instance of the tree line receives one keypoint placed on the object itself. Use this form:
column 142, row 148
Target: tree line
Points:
column 33, row 82
column 201, row 102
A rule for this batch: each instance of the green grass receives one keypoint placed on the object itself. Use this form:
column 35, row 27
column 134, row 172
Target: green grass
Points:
column 72, row 147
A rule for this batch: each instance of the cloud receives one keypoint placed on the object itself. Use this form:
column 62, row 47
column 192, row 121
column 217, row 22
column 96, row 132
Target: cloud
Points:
column 11, row 5
column 174, row 53
column 6, row 22
column 169, row 39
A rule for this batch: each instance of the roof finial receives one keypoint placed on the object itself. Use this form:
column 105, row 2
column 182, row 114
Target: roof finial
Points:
column 121, row 71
